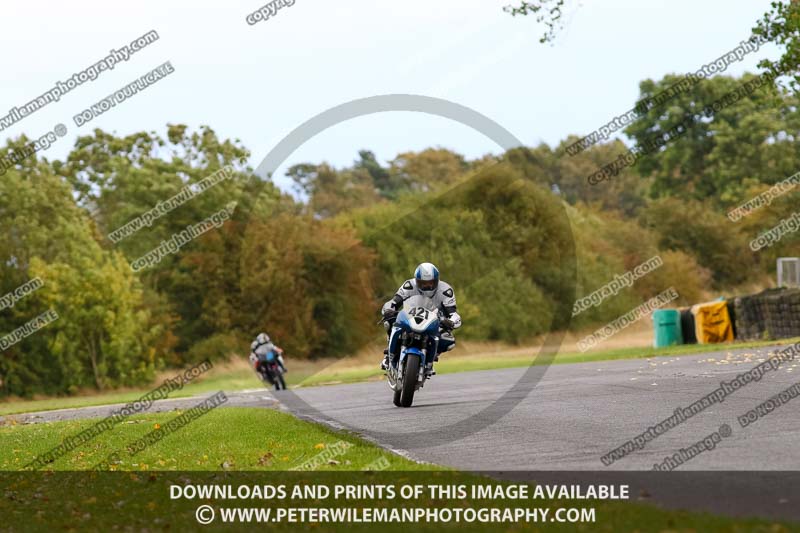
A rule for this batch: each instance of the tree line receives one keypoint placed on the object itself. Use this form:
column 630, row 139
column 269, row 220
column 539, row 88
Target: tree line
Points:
column 521, row 235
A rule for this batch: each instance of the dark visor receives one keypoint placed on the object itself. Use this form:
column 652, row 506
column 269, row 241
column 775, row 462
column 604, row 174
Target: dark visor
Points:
column 426, row 285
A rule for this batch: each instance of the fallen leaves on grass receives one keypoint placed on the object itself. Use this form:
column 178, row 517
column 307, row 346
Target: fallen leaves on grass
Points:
column 265, row 459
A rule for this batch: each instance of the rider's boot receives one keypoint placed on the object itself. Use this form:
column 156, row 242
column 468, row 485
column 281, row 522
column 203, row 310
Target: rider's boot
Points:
column 385, row 362
column 448, row 338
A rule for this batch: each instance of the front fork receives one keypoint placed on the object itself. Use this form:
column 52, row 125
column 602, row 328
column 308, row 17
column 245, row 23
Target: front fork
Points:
column 396, row 356
column 394, row 346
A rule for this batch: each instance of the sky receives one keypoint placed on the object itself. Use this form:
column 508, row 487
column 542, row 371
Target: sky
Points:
column 257, row 83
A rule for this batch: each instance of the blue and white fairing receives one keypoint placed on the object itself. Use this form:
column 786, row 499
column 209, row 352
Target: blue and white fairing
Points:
column 419, row 317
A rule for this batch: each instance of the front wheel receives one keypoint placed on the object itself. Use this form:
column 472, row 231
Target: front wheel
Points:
column 409, row 381
column 280, row 384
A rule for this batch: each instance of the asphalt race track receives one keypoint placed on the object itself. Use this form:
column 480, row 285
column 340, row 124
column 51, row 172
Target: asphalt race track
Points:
column 576, row 414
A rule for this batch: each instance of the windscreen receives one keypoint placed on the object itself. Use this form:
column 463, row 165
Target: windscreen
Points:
column 420, row 308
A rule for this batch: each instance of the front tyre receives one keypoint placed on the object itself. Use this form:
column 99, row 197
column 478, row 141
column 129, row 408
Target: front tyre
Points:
column 409, row 381
column 397, row 398
column 280, row 384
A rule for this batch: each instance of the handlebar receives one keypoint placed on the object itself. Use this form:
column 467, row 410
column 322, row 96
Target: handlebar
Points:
column 388, row 316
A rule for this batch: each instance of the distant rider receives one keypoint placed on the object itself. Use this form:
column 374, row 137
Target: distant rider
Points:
column 425, row 282
column 260, row 350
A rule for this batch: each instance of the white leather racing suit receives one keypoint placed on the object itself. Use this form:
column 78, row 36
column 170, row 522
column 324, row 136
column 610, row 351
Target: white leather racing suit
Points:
column 445, row 300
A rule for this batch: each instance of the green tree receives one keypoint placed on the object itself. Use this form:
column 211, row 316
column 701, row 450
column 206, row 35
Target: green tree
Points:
column 752, row 138
column 105, row 336
column 383, row 180
column 331, row 191
column 428, row 170
column 551, row 168
column 699, row 230
column 781, row 25
column 121, row 178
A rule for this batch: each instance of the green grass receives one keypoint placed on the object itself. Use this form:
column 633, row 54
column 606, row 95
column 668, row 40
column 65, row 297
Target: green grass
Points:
column 240, row 438
column 244, row 378
column 238, row 380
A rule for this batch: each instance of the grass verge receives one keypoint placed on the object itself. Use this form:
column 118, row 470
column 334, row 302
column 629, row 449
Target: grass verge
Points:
column 226, row 438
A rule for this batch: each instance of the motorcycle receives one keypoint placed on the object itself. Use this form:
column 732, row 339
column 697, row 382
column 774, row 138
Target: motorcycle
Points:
column 417, row 329
column 270, row 371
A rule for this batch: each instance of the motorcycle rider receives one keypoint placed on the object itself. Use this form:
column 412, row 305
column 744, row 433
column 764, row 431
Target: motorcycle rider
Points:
column 425, row 282
column 259, row 351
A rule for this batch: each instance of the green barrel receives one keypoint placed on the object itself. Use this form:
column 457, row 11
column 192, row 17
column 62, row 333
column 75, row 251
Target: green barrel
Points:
column 667, row 327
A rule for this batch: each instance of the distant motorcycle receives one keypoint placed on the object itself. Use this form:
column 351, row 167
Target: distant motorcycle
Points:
column 418, row 324
column 270, row 371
